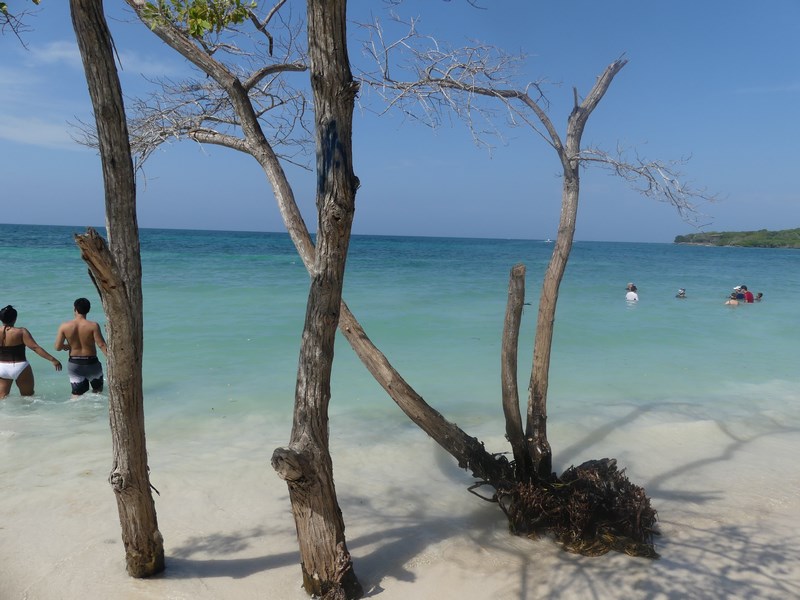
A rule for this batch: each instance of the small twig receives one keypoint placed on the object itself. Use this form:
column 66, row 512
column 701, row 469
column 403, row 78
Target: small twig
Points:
column 477, row 484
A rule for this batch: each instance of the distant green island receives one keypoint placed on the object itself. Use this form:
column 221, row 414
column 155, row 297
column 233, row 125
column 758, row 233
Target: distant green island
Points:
column 786, row 238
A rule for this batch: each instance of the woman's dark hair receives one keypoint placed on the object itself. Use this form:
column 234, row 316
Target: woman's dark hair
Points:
column 8, row 315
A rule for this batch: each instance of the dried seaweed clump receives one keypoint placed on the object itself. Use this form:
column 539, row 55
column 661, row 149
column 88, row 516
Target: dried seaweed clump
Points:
column 590, row 509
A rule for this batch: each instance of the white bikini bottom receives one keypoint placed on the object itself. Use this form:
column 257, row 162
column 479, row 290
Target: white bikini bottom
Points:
column 12, row 370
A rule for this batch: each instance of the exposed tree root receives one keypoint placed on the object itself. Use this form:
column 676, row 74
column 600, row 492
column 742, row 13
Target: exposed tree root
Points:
column 590, row 510
column 335, row 593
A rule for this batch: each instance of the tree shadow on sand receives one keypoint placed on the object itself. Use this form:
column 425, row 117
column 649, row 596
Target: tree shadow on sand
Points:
column 182, row 562
column 704, row 556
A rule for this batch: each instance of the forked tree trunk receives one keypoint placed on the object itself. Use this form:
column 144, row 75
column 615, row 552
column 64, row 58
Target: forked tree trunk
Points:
column 306, row 463
column 570, row 156
column 117, row 273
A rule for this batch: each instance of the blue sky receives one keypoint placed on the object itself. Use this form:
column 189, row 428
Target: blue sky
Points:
column 714, row 81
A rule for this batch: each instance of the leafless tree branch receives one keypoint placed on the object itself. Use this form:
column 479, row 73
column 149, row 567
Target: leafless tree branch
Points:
column 417, row 74
column 268, row 70
column 261, row 24
column 432, row 82
column 16, row 23
column 656, row 179
column 203, row 109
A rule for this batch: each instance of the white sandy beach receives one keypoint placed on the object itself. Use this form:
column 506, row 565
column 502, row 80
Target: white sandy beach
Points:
column 728, row 496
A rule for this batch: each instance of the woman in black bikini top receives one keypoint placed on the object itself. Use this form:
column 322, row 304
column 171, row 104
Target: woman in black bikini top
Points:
column 13, row 365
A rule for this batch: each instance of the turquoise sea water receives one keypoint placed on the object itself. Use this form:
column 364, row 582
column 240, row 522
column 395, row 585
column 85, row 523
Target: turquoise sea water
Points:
column 224, row 312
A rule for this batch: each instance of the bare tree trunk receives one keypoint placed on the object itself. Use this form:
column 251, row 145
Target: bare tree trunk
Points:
column 541, row 454
column 570, row 154
column 117, row 273
column 508, row 371
column 306, row 464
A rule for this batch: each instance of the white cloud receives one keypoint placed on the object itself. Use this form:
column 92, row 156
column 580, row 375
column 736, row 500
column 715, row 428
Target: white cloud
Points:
column 38, row 101
column 128, row 62
column 43, row 89
column 132, row 63
column 36, row 132
column 57, row 53
column 10, row 78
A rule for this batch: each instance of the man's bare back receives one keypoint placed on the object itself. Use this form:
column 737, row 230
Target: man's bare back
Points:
column 81, row 337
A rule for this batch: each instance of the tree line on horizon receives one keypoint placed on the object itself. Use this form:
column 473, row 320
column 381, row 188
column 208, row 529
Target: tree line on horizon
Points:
column 763, row 238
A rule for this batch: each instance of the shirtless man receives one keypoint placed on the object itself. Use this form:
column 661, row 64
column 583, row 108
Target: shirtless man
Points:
column 81, row 337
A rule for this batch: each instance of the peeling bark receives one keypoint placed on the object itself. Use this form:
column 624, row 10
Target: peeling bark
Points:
column 116, row 271
column 306, row 464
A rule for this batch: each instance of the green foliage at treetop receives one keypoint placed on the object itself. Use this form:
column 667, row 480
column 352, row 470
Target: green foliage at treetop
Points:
column 198, row 17
column 785, row 238
column 4, row 6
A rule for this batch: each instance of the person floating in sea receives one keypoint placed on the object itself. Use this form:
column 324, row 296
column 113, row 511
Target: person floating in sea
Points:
column 732, row 301
column 759, row 296
column 633, row 293
column 13, row 364
column 748, row 295
column 681, row 293
column 81, row 338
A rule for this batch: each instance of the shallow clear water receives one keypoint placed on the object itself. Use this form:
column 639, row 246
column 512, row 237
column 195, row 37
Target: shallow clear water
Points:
column 224, row 312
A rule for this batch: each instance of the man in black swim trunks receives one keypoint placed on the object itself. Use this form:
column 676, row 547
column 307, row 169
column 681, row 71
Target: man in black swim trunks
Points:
column 81, row 337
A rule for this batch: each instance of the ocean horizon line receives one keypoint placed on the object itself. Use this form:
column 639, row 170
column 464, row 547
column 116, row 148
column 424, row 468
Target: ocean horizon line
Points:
column 102, row 229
